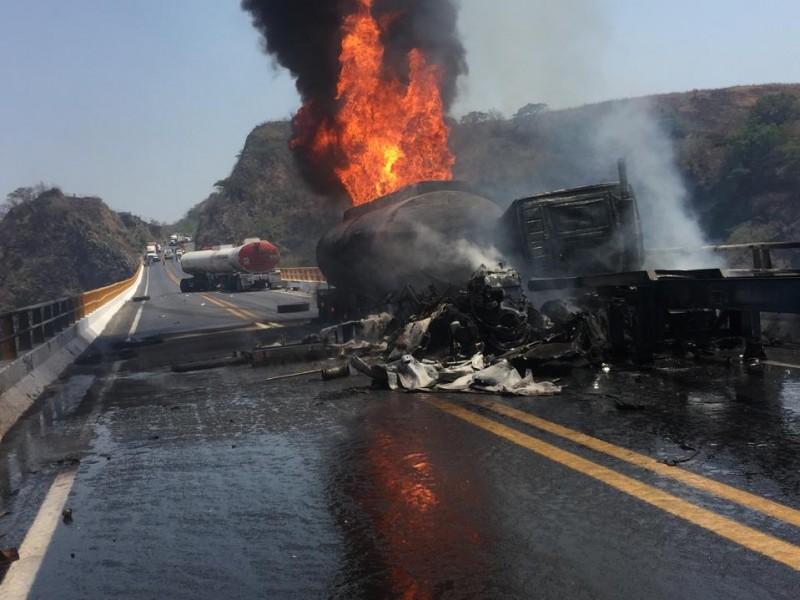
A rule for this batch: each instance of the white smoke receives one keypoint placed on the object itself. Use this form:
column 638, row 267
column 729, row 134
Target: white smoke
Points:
column 630, row 130
column 557, row 53
column 454, row 260
column 475, row 254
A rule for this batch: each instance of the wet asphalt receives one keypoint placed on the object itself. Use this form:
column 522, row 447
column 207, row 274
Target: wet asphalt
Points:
column 218, row 484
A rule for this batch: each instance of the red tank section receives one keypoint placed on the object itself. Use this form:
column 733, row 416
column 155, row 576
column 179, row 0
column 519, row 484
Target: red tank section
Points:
column 259, row 257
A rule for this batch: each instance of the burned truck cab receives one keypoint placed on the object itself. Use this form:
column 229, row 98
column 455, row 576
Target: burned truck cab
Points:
column 587, row 230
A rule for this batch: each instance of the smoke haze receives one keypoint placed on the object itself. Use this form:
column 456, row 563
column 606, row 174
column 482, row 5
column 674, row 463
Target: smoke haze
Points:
column 538, row 51
column 522, row 51
column 630, row 130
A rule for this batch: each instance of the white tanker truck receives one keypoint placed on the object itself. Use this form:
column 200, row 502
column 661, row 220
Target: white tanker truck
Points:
column 252, row 265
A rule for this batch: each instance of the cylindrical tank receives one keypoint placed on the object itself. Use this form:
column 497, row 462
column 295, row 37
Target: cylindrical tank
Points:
column 255, row 257
column 427, row 233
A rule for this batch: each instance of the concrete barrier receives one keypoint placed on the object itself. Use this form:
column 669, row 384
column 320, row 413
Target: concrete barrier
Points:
column 304, row 279
column 23, row 380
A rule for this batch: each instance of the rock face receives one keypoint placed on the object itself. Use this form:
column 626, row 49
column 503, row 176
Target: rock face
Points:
column 265, row 196
column 59, row 245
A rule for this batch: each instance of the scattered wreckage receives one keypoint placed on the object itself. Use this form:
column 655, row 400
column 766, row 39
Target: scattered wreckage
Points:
column 484, row 338
column 401, row 313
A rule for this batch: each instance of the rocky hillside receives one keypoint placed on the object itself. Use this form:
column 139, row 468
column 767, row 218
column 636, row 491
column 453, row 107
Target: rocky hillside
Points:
column 731, row 154
column 58, row 245
column 728, row 158
column 265, row 197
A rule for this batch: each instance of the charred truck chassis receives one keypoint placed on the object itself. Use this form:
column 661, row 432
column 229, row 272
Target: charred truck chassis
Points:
column 659, row 307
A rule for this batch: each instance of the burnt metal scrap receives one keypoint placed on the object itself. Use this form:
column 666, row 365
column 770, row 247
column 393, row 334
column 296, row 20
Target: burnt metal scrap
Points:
column 578, row 231
column 469, row 339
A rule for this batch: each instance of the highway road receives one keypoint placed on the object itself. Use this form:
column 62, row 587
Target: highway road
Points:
column 680, row 481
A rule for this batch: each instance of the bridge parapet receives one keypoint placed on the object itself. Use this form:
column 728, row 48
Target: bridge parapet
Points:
column 38, row 342
column 24, row 328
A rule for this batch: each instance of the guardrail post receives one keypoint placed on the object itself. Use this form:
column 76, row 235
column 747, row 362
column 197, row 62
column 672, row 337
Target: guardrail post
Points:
column 48, row 321
column 63, row 306
column 8, row 349
column 57, row 317
column 24, row 335
column 62, row 315
column 36, row 326
column 71, row 310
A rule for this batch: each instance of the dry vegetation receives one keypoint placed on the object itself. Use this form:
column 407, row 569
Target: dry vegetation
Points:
column 56, row 245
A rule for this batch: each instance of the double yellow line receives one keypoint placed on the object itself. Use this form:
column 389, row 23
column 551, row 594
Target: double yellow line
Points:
column 236, row 311
column 241, row 313
column 748, row 537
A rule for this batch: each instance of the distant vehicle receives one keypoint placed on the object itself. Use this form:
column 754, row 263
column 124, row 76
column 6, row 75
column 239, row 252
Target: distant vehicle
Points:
column 173, row 239
column 151, row 253
column 186, row 238
column 169, row 254
column 249, row 266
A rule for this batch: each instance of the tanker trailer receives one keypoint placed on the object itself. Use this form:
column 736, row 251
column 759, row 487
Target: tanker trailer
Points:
column 431, row 232
column 251, row 265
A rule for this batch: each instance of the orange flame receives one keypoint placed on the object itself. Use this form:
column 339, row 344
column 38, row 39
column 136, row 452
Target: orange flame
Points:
column 391, row 133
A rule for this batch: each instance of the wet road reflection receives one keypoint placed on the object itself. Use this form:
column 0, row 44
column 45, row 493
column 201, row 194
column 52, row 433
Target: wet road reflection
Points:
column 413, row 512
column 46, row 437
column 217, row 484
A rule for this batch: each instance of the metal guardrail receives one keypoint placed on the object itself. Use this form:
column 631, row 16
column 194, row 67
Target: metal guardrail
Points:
column 26, row 327
column 306, row 274
column 761, row 251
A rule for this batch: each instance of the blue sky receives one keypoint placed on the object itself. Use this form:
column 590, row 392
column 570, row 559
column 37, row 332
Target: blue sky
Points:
column 146, row 103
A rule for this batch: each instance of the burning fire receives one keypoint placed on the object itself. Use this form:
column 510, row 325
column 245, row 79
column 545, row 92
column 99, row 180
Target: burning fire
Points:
column 388, row 132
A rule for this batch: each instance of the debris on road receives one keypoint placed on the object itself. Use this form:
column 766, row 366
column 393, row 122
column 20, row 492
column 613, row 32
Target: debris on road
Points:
column 8, row 555
column 326, row 373
column 473, row 340
column 294, row 307
column 230, row 361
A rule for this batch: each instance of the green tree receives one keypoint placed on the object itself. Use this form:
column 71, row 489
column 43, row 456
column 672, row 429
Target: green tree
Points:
column 22, row 195
column 531, row 110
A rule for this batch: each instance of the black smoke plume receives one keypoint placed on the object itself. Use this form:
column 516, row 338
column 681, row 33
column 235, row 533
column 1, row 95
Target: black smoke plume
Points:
column 304, row 36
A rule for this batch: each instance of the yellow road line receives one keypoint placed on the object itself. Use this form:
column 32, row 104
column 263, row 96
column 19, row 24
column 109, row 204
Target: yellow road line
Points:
column 745, row 536
column 221, row 304
column 233, row 306
column 241, row 313
column 768, row 507
column 171, row 275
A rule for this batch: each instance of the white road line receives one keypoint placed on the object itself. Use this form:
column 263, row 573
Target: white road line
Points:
column 21, row 575
column 775, row 363
column 138, row 316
